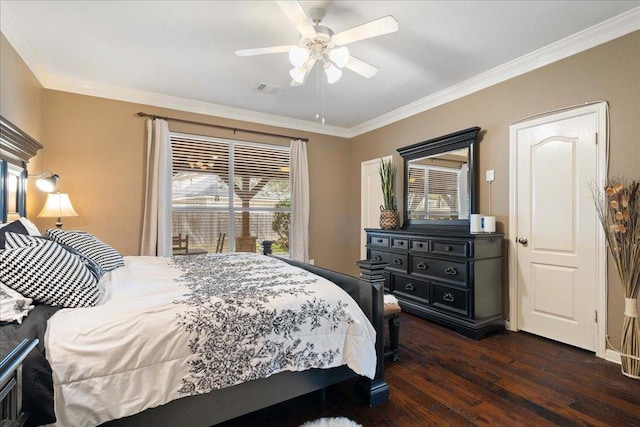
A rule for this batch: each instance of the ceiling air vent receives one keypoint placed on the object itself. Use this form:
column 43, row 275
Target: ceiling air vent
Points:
column 268, row 89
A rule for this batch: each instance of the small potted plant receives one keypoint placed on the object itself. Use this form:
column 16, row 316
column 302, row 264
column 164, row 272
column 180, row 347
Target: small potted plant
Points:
column 388, row 210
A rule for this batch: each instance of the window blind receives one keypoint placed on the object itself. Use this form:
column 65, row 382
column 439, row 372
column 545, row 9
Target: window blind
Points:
column 233, row 188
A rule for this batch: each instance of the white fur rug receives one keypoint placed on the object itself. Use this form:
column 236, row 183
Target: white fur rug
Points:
column 332, row 422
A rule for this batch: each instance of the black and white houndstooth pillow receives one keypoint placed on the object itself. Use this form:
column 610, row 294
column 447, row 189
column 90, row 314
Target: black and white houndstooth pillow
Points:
column 46, row 272
column 90, row 246
column 16, row 240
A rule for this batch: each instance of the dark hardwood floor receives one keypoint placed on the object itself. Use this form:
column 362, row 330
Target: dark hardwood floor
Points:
column 505, row 379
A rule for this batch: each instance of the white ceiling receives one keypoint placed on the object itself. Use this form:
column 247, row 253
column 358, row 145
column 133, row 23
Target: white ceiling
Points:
column 179, row 54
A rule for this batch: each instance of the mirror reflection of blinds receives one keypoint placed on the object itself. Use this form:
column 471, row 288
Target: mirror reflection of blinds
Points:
column 438, row 194
column 443, row 191
column 416, row 188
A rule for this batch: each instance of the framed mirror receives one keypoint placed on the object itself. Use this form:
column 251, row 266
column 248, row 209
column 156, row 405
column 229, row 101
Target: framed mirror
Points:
column 440, row 180
column 16, row 148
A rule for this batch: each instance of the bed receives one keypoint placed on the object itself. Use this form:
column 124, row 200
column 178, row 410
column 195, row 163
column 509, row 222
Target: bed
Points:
column 73, row 342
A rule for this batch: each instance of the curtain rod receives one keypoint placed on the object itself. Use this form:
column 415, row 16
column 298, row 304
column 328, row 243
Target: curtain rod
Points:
column 191, row 122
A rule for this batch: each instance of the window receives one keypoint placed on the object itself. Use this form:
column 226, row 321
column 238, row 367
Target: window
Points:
column 234, row 190
column 435, row 197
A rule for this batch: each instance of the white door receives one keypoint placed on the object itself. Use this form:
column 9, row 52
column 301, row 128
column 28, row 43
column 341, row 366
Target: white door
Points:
column 370, row 199
column 556, row 228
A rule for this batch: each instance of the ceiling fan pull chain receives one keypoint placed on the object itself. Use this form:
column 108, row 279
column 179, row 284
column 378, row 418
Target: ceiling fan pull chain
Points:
column 317, row 93
column 323, row 100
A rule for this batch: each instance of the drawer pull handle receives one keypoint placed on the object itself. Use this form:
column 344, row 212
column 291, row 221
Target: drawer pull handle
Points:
column 380, row 240
column 420, row 245
column 397, row 261
column 422, row 266
column 409, row 287
column 401, row 243
column 448, row 248
column 377, row 258
column 451, row 271
column 448, row 297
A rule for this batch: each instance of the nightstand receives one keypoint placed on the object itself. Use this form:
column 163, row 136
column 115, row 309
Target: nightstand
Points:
column 11, row 414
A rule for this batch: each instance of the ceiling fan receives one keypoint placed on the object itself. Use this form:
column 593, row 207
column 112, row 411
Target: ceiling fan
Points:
column 318, row 43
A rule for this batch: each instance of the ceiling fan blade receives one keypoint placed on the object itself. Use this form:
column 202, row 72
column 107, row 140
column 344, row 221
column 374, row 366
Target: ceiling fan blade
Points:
column 376, row 28
column 363, row 68
column 263, row 50
column 295, row 13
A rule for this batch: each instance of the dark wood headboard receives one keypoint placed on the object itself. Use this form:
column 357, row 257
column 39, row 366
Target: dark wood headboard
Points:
column 16, row 148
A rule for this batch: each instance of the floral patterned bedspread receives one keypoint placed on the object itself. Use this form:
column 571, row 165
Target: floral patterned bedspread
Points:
column 173, row 327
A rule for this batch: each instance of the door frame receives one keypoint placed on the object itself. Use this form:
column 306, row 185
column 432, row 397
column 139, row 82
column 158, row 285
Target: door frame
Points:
column 602, row 140
column 363, row 235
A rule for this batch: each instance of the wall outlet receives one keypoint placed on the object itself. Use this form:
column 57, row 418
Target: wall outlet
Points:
column 490, row 175
column 312, row 261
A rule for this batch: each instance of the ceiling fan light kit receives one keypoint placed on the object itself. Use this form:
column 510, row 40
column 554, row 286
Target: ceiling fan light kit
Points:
column 333, row 73
column 318, row 43
column 339, row 56
column 298, row 56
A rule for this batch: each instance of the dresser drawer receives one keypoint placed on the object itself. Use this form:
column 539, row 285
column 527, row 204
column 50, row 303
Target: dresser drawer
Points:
column 399, row 243
column 450, row 271
column 420, row 245
column 394, row 261
column 381, row 241
column 450, row 299
column 458, row 249
column 411, row 288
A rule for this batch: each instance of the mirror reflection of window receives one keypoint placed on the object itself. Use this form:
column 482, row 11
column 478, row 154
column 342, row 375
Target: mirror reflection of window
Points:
column 438, row 186
column 435, row 197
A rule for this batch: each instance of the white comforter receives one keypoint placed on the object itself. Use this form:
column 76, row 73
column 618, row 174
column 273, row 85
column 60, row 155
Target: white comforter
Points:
column 173, row 327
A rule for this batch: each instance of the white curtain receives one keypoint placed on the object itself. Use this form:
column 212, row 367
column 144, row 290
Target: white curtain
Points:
column 156, row 226
column 299, row 247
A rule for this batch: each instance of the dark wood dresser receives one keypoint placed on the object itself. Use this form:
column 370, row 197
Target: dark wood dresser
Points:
column 450, row 277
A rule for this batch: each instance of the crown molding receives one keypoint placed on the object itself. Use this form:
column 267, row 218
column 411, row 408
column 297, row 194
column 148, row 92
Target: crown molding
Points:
column 598, row 34
column 603, row 32
column 12, row 30
column 188, row 105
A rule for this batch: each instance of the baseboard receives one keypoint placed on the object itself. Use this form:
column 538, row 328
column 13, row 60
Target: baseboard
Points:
column 612, row 356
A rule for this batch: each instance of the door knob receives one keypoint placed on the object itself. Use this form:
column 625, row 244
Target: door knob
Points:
column 523, row 240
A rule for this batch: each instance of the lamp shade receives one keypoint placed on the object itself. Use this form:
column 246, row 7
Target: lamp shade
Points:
column 333, row 73
column 298, row 74
column 57, row 205
column 339, row 56
column 298, row 56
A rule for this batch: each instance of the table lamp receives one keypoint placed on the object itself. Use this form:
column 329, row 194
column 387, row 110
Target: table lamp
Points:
column 57, row 205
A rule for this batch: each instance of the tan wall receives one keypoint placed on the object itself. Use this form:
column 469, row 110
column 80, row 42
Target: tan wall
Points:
column 609, row 72
column 21, row 102
column 97, row 147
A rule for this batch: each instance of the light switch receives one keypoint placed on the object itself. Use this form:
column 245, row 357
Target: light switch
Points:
column 490, row 175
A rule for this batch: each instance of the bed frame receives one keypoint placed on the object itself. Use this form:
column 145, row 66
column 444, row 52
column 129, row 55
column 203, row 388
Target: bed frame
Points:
column 225, row 404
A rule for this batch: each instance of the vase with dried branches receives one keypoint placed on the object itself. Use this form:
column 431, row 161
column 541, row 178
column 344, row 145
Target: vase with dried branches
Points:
column 619, row 212
column 388, row 210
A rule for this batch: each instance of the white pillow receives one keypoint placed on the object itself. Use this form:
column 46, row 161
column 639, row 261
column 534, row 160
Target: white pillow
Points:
column 31, row 227
column 90, row 246
column 13, row 306
column 48, row 273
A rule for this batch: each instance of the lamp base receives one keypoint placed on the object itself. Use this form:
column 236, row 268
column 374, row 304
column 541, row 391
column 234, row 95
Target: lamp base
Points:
column 59, row 223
